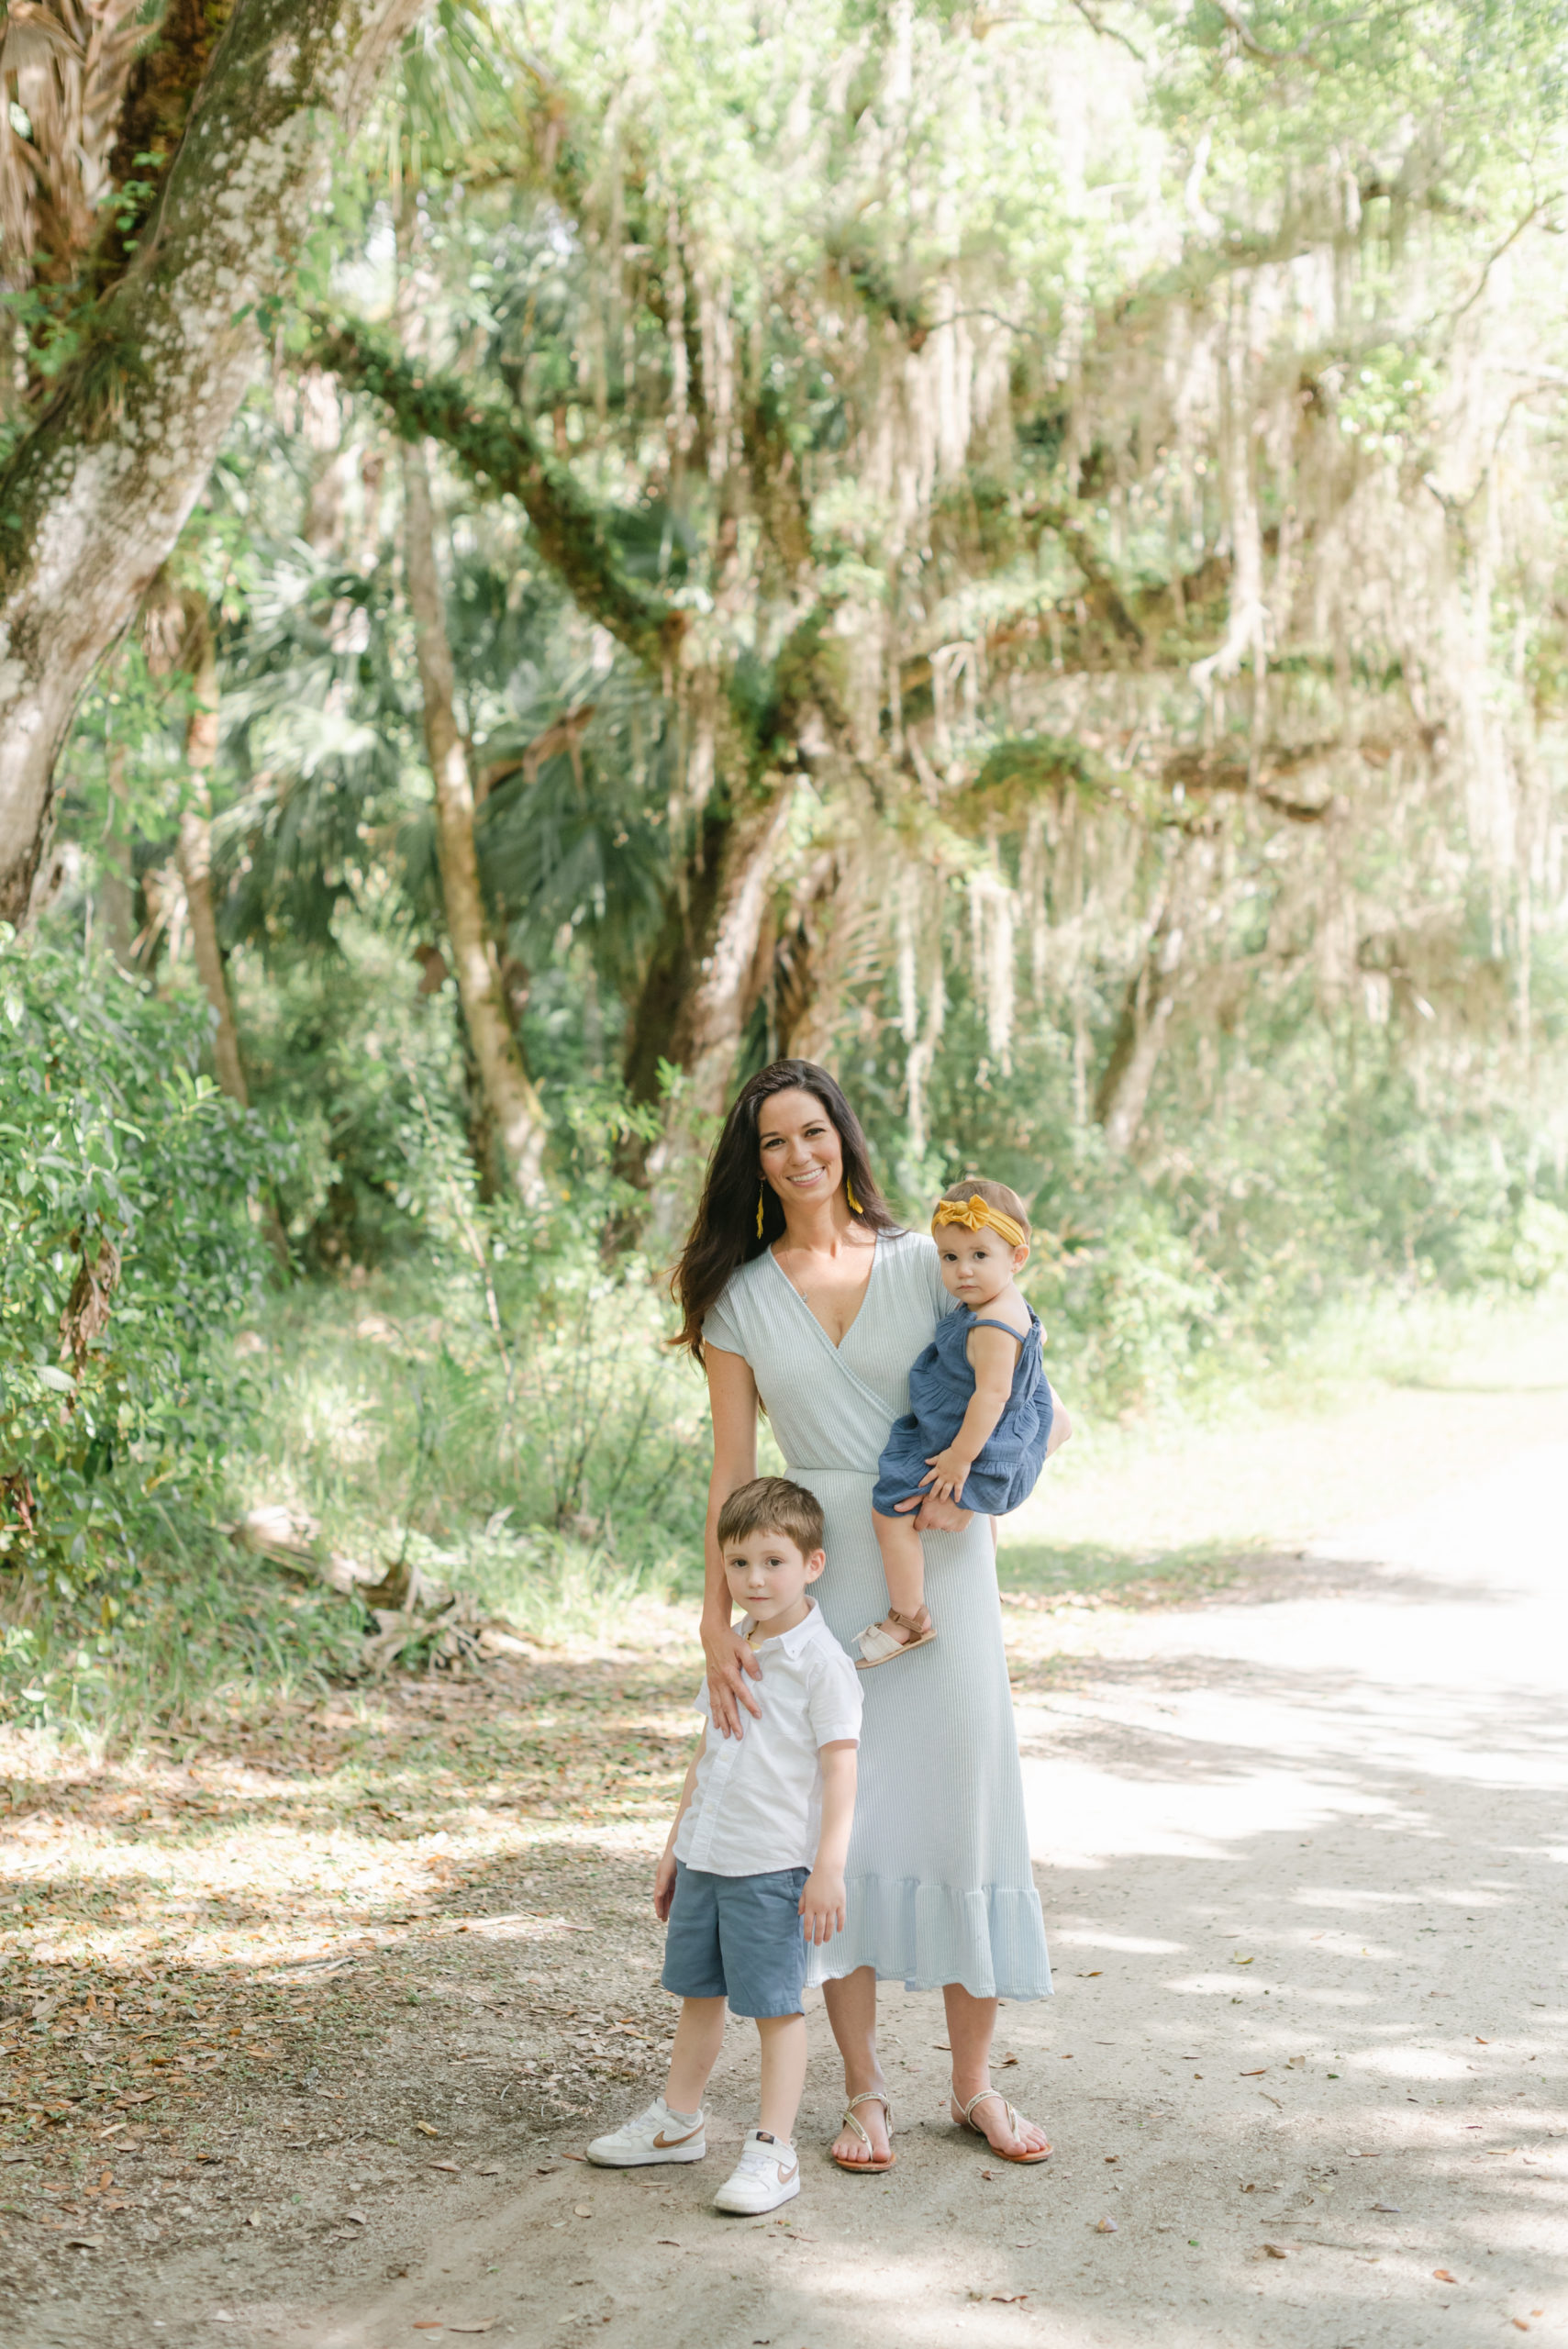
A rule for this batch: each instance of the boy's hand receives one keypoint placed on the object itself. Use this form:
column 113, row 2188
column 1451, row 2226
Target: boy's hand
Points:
column 664, row 1885
column 949, row 1468
column 822, row 1904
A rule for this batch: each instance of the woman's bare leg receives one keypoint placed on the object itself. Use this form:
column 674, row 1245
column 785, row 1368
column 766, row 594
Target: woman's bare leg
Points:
column 972, row 2025
column 851, row 2010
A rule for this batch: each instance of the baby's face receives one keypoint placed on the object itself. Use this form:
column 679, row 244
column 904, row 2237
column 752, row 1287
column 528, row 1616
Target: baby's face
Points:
column 977, row 1266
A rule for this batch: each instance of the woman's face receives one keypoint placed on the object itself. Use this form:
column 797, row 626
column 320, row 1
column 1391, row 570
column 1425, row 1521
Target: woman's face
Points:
column 801, row 1155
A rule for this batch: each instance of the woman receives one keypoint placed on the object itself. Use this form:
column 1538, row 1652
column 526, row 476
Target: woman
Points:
column 800, row 1292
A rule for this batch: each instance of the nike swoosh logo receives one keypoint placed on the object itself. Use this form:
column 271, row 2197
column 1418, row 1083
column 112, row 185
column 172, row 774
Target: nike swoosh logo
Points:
column 786, row 2175
column 664, row 2143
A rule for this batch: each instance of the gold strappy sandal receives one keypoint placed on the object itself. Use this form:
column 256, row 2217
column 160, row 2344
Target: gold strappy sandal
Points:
column 967, row 2123
column 875, row 2167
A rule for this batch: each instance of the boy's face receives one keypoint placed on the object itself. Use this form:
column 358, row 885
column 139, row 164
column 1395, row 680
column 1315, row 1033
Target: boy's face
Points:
column 977, row 1266
column 768, row 1575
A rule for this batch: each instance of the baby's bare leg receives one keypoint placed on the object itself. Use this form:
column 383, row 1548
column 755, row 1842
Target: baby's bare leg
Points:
column 903, row 1561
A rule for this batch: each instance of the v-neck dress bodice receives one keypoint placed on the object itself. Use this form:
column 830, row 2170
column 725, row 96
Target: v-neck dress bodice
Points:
column 939, row 1886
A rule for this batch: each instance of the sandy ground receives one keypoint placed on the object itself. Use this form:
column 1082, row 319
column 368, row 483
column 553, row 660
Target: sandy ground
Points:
column 1301, row 1850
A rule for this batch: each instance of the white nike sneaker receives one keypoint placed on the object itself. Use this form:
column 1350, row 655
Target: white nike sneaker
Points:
column 767, row 2174
column 655, row 2135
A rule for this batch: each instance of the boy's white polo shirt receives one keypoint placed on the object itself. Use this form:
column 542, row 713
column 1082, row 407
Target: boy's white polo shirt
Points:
column 757, row 1804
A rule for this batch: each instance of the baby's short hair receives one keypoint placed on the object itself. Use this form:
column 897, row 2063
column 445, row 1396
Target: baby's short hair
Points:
column 995, row 1195
column 773, row 1505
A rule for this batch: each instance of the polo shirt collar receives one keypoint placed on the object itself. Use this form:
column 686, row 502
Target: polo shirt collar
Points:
column 793, row 1642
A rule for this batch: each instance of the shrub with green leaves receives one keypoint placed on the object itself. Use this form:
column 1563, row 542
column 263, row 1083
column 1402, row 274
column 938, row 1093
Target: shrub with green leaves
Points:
column 131, row 1235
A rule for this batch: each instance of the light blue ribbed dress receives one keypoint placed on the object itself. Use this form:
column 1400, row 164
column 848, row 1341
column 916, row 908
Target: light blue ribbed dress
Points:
column 939, row 1887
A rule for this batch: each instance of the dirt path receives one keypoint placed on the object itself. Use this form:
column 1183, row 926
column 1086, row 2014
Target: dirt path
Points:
column 1301, row 1850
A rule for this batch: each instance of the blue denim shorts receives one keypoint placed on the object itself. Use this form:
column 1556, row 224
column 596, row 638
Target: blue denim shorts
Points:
column 737, row 1937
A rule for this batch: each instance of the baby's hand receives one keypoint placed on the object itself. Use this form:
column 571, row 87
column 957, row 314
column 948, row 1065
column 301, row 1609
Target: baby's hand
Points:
column 822, row 1904
column 949, row 1470
column 664, row 1885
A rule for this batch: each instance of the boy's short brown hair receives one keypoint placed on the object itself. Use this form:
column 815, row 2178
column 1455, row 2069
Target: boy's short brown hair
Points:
column 995, row 1195
column 773, row 1505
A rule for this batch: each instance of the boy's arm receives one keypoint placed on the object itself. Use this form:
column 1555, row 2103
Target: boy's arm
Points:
column 822, row 1900
column 993, row 1358
column 664, row 1874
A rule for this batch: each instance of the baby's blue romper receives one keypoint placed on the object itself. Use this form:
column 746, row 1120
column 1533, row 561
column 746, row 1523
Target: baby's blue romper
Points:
column 942, row 1387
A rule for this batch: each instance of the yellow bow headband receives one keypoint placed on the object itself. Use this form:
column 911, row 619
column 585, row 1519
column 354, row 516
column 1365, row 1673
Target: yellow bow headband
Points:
column 974, row 1213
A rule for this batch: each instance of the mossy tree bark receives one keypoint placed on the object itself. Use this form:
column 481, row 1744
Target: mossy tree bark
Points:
column 96, row 493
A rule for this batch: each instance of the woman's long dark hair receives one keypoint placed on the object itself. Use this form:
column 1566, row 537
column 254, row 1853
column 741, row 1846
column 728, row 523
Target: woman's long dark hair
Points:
column 724, row 1233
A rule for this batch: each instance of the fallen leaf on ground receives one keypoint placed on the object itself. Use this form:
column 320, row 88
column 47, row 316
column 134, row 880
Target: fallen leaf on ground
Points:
column 451, row 2166
column 1390, row 2210
column 486, row 2325
column 571, row 2157
column 1106, row 2227
column 1520, row 2326
column 1442, row 2277
column 1257, row 2075
column 1240, row 1961
column 356, row 2218
column 986, row 2173
column 1010, row 2298
column 942, row 2046
column 1093, row 1975
column 1005, row 2061
column 667, row 2243
column 1275, row 2251
column 582, row 2210
column 425, row 2129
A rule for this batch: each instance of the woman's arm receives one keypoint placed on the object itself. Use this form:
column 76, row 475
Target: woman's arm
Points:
column 732, row 1396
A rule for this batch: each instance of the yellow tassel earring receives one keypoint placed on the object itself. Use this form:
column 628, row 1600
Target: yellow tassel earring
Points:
column 762, row 1194
column 855, row 1207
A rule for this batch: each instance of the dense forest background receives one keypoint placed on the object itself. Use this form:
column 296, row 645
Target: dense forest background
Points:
column 1014, row 553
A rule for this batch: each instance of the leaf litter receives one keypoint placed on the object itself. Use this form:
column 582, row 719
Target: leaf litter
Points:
column 261, row 1965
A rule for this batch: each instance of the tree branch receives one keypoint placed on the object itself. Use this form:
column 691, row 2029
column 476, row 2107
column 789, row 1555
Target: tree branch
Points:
column 95, row 495
column 498, row 451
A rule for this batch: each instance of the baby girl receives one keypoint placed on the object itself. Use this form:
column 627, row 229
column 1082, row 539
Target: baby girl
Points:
column 979, row 1421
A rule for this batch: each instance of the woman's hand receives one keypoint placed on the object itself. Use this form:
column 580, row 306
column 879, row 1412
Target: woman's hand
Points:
column 664, row 1885
column 729, row 1661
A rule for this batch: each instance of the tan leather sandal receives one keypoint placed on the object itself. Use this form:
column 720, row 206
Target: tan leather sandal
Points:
column 966, row 2121
column 877, row 2166
column 877, row 1646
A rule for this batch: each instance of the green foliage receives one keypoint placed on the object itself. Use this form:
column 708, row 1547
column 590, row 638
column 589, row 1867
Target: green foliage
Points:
column 131, row 1196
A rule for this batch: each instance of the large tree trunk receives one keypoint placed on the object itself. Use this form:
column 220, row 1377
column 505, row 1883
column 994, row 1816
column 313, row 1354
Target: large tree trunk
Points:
column 714, row 1011
column 194, row 855
column 673, row 971
column 94, row 497
column 512, row 1100
column 1153, row 994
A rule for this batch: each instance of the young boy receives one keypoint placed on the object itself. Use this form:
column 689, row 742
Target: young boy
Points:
column 753, row 1869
